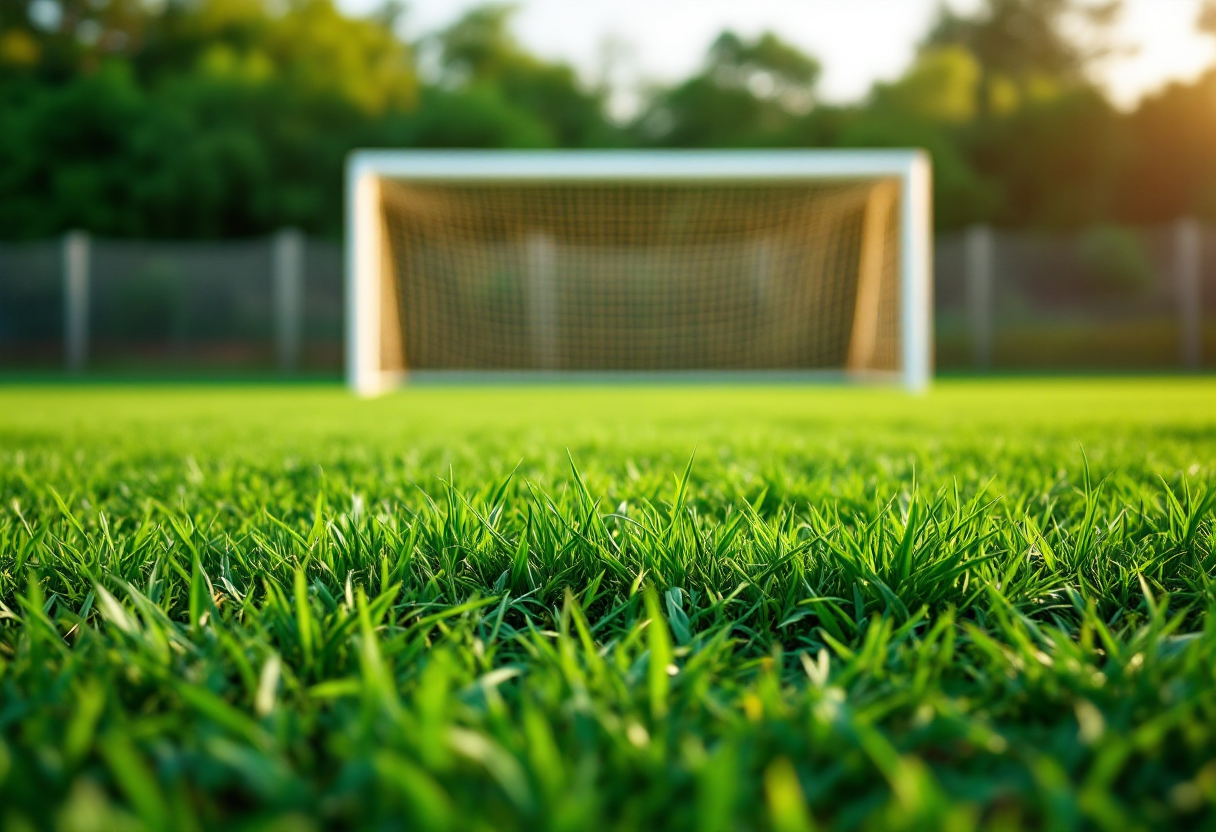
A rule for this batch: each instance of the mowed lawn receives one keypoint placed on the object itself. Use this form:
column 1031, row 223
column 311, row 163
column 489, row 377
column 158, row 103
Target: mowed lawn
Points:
column 579, row 608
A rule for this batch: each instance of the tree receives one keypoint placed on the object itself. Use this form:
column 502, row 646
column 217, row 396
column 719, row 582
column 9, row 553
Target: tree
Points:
column 310, row 45
column 1052, row 163
column 932, row 107
column 1022, row 45
column 747, row 92
column 768, row 68
column 213, row 118
column 943, row 84
column 55, row 39
column 1172, row 169
column 479, row 53
column 198, row 155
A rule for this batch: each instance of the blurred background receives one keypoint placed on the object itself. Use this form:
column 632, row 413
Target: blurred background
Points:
column 171, row 170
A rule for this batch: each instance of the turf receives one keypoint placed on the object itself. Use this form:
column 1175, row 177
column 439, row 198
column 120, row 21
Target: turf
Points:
column 634, row 608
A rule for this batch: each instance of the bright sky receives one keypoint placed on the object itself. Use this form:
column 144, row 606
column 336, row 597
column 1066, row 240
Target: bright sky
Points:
column 858, row 41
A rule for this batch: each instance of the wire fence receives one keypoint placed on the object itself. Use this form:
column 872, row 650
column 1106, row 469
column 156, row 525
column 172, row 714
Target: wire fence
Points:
column 128, row 305
column 1130, row 299
column 1105, row 298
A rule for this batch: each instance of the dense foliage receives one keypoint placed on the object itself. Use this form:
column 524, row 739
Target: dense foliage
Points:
column 205, row 118
column 537, row 609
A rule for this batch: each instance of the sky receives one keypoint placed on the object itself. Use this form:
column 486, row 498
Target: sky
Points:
column 633, row 42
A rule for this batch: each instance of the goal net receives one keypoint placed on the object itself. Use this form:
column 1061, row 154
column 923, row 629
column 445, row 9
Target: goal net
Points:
column 504, row 265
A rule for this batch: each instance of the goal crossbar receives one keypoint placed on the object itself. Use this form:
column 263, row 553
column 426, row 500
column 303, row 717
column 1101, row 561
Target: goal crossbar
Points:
column 374, row 347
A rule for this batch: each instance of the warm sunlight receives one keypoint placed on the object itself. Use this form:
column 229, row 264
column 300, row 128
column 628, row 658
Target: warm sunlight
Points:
column 1168, row 48
column 859, row 41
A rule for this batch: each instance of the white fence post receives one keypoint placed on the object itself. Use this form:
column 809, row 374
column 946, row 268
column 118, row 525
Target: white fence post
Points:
column 979, row 271
column 76, row 300
column 1188, row 254
column 288, row 278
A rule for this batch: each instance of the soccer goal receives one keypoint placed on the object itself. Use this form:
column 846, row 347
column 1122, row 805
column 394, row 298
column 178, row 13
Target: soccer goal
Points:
column 802, row 264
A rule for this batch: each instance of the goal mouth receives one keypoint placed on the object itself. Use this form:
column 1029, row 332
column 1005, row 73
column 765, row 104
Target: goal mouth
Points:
column 637, row 266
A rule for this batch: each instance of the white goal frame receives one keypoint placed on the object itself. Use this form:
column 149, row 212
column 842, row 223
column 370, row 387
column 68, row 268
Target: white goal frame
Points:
column 365, row 231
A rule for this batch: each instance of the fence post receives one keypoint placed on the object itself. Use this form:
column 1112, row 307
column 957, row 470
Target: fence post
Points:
column 288, row 279
column 75, row 300
column 1188, row 255
column 979, row 271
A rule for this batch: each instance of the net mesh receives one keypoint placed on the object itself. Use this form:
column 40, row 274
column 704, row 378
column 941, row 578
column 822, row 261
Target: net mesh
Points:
column 641, row 276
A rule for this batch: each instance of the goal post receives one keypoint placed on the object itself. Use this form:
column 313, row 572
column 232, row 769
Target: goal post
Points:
column 798, row 263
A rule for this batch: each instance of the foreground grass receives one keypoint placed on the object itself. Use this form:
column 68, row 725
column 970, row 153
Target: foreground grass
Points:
column 609, row 609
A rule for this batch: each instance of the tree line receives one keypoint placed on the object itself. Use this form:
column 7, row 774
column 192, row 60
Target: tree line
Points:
column 228, row 118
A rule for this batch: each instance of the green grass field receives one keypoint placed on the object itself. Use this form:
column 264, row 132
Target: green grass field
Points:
column 609, row 608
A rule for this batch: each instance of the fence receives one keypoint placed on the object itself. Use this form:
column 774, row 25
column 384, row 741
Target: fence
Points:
column 1106, row 298
column 122, row 304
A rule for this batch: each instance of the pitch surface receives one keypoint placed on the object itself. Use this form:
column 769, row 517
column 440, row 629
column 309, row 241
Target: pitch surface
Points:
column 692, row 608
